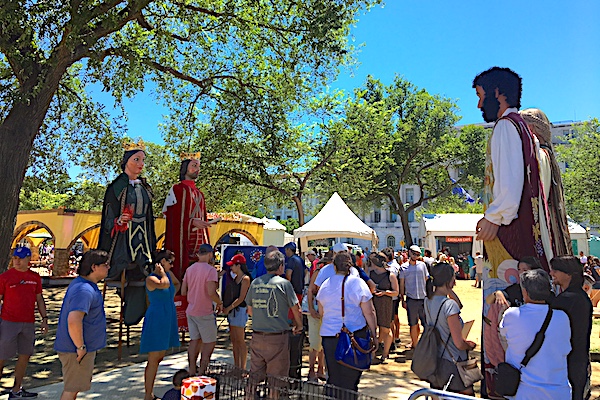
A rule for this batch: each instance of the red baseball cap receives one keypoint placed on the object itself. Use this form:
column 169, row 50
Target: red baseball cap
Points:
column 237, row 259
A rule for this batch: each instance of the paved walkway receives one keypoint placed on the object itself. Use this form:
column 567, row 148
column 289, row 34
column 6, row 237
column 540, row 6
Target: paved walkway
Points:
column 128, row 382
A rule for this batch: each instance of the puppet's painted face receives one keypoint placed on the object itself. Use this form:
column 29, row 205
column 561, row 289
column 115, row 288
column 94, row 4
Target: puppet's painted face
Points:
column 135, row 164
column 193, row 169
column 489, row 105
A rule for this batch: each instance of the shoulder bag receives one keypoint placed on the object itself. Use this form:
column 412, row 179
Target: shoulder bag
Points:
column 351, row 351
column 508, row 377
column 468, row 370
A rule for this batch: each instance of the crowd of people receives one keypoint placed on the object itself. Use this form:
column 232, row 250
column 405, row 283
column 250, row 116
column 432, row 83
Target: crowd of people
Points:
column 424, row 291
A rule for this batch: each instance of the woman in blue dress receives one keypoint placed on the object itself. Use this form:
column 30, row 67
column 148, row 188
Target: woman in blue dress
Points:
column 159, row 332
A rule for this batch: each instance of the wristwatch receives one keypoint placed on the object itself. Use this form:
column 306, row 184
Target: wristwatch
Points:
column 82, row 347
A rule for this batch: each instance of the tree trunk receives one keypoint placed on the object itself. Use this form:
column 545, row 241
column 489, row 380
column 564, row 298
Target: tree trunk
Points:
column 17, row 133
column 405, row 227
column 300, row 208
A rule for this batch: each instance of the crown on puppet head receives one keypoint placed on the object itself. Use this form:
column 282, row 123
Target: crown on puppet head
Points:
column 139, row 146
column 190, row 156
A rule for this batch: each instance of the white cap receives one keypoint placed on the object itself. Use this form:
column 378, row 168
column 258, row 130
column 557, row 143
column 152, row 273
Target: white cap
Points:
column 309, row 252
column 416, row 248
column 338, row 247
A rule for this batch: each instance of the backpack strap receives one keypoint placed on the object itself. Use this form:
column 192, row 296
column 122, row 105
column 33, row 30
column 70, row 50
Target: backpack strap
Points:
column 438, row 313
column 435, row 324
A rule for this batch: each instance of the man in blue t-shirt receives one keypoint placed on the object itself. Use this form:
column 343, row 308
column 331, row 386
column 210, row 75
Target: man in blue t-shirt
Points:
column 81, row 330
column 294, row 269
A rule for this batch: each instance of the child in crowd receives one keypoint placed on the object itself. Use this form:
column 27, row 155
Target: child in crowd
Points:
column 175, row 392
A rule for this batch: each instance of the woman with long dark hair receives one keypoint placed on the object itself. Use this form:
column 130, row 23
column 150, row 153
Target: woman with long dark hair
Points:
column 159, row 332
column 454, row 347
column 387, row 288
column 234, row 303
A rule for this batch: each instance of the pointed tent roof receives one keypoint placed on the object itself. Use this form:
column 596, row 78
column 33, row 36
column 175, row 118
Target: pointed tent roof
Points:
column 335, row 220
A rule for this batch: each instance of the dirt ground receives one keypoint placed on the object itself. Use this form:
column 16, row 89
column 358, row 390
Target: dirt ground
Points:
column 44, row 367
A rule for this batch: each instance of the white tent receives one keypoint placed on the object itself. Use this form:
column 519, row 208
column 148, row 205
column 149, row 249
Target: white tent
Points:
column 580, row 234
column 335, row 220
column 459, row 226
column 274, row 232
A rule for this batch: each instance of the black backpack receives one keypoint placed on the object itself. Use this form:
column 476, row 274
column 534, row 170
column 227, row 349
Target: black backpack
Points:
column 425, row 356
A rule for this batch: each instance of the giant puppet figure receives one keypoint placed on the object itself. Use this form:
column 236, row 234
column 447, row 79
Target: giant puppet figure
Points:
column 185, row 210
column 127, row 229
column 517, row 220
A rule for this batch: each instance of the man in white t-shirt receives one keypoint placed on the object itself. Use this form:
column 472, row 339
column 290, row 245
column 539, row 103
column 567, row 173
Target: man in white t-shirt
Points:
column 413, row 276
column 428, row 259
column 582, row 258
column 329, row 270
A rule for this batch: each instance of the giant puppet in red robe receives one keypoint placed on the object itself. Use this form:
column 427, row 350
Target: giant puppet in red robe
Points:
column 185, row 210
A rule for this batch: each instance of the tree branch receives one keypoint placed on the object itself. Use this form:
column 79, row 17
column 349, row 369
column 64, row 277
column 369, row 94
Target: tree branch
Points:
column 216, row 14
column 141, row 20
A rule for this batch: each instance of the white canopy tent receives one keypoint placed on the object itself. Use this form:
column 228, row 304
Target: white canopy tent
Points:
column 580, row 234
column 449, row 226
column 335, row 220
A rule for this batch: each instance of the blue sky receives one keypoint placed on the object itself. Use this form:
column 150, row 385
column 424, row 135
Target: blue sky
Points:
column 441, row 45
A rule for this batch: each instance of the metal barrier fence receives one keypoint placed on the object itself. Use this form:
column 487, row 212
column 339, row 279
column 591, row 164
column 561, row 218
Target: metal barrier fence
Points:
column 236, row 383
column 435, row 394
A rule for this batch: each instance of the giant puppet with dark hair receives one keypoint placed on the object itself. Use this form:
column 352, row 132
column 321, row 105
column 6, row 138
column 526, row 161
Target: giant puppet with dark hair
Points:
column 127, row 228
column 185, row 210
column 516, row 220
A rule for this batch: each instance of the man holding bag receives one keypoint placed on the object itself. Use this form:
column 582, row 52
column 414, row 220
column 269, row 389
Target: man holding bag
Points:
column 545, row 375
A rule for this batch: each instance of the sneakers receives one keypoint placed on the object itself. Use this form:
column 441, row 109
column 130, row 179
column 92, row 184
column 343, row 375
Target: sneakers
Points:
column 21, row 394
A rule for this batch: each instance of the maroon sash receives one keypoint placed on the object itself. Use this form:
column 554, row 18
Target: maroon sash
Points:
column 522, row 237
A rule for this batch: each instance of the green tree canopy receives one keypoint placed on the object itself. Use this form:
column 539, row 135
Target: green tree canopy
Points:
column 204, row 53
column 400, row 135
column 279, row 156
column 581, row 179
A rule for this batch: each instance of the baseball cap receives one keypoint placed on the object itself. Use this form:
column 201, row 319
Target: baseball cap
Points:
column 290, row 245
column 415, row 248
column 205, row 248
column 22, row 252
column 339, row 247
column 309, row 252
column 237, row 259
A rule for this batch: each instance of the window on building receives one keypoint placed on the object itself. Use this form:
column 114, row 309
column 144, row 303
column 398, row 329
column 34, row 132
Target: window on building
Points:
column 391, row 241
column 278, row 217
column 393, row 217
column 377, row 216
column 409, row 195
column 410, row 198
column 288, row 217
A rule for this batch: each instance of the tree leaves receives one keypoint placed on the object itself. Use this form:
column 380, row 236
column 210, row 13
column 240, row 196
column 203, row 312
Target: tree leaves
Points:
column 581, row 179
column 401, row 135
